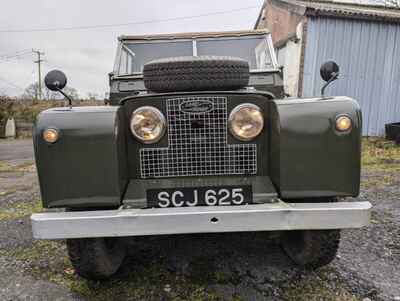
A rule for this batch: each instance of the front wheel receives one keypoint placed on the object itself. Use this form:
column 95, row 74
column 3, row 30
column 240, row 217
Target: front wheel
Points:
column 96, row 258
column 311, row 248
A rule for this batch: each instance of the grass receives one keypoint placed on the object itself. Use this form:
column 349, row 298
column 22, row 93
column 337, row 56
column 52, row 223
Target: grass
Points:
column 4, row 166
column 315, row 288
column 23, row 167
column 380, row 155
column 47, row 260
column 8, row 192
column 8, row 168
column 380, row 162
column 152, row 281
column 20, row 210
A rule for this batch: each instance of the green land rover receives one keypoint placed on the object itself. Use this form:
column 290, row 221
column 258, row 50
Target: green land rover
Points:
column 198, row 137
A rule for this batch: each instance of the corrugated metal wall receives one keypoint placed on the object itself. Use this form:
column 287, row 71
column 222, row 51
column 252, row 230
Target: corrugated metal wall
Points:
column 368, row 54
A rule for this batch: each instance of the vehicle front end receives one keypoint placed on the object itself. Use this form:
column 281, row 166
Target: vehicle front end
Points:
column 186, row 159
column 199, row 168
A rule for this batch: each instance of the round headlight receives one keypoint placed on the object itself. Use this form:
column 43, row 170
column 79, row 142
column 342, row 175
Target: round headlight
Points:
column 343, row 123
column 147, row 124
column 50, row 135
column 246, row 121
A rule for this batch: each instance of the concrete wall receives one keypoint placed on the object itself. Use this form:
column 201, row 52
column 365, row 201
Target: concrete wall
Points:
column 368, row 54
column 289, row 56
column 286, row 26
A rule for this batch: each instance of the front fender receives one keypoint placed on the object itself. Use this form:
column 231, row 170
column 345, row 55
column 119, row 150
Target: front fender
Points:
column 86, row 166
column 309, row 158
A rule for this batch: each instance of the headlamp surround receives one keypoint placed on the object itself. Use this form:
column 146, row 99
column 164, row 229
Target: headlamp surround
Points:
column 246, row 121
column 148, row 124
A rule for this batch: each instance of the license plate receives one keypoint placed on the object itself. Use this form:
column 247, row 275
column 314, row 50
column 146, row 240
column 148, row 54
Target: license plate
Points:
column 200, row 196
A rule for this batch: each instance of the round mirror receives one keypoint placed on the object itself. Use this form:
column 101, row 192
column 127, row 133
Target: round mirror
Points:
column 55, row 80
column 329, row 70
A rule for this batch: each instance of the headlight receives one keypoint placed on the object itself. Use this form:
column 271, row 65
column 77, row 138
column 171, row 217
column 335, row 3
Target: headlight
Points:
column 343, row 123
column 147, row 124
column 246, row 121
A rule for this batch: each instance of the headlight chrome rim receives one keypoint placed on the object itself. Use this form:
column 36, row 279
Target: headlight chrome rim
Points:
column 231, row 120
column 162, row 120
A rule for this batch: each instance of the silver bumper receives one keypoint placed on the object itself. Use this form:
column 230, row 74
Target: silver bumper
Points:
column 261, row 217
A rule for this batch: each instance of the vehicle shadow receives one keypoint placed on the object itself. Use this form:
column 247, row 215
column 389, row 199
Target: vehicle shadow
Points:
column 254, row 258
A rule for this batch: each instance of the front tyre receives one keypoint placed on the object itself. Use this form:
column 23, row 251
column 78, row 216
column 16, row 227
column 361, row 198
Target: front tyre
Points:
column 96, row 258
column 311, row 248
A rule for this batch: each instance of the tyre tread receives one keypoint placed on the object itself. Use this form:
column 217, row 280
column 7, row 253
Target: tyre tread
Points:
column 196, row 73
column 91, row 259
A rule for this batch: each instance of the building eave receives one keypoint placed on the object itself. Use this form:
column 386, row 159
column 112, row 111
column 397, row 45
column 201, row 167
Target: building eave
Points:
column 340, row 10
column 353, row 14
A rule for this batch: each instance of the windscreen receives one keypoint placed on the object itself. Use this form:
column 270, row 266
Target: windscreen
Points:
column 255, row 50
column 135, row 55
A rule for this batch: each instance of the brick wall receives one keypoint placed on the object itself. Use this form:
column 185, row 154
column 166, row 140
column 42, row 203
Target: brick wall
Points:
column 280, row 20
column 287, row 24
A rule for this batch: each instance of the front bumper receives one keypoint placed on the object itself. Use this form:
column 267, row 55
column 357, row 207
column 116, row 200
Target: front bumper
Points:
column 261, row 217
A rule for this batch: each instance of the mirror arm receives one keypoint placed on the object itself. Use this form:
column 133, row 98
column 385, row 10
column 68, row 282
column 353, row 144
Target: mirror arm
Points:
column 334, row 77
column 66, row 96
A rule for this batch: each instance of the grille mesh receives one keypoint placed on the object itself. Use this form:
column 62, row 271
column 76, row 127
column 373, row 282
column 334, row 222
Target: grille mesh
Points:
column 198, row 145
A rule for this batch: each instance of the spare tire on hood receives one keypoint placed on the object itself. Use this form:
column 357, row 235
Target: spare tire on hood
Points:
column 196, row 73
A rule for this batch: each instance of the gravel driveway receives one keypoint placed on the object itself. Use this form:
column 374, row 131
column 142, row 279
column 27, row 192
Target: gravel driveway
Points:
column 203, row 267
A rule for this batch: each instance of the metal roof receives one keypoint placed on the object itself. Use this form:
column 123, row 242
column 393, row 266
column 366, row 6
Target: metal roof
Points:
column 356, row 9
column 194, row 35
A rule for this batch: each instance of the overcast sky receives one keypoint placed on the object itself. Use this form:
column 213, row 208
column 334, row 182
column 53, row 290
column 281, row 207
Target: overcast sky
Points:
column 86, row 56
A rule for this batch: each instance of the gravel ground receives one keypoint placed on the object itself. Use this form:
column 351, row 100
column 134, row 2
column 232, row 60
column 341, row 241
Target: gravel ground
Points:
column 202, row 267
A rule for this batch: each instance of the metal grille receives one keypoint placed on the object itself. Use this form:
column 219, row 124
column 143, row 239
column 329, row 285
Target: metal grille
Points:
column 198, row 145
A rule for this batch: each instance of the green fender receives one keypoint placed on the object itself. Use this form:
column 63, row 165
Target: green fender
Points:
column 86, row 167
column 309, row 157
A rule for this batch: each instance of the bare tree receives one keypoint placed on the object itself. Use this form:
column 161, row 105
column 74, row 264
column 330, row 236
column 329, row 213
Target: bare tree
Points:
column 71, row 92
column 93, row 96
column 389, row 3
column 32, row 92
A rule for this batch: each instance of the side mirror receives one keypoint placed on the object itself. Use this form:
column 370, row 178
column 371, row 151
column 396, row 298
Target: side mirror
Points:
column 55, row 80
column 329, row 72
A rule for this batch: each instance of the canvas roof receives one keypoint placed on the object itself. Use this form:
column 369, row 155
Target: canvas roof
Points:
column 194, row 35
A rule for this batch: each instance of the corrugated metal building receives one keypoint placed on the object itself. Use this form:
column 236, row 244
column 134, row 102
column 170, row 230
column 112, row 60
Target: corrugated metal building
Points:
column 363, row 39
